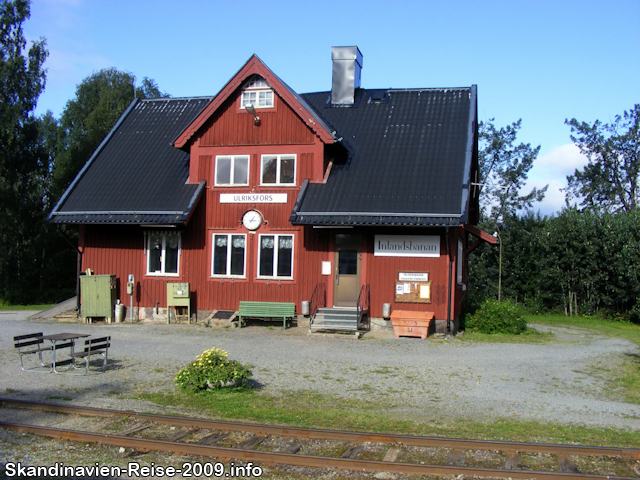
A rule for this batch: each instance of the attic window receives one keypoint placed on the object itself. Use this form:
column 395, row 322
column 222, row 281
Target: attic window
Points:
column 257, row 93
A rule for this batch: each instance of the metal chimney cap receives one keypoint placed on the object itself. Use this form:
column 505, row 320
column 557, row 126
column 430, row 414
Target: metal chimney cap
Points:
column 347, row 53
column 346, row 74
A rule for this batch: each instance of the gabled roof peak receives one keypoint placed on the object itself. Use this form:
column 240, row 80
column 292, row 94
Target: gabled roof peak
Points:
column 255, row 66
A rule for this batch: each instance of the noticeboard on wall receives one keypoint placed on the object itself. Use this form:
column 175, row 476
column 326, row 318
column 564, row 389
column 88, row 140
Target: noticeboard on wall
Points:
column 413, row 292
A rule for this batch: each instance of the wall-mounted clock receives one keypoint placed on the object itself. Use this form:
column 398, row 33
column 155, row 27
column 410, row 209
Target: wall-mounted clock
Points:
column 252, row 220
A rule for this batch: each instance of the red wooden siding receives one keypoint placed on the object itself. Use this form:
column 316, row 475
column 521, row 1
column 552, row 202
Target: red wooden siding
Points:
column 382, row 272
column 120, row 251
column 232, row 126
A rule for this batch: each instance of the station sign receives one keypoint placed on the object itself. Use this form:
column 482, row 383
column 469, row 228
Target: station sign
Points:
column 253, row 198
column 406, row 246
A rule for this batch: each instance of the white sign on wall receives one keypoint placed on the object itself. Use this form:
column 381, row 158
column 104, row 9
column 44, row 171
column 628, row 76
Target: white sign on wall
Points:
column 413, row 276
column 406, row 246
column 253, row 198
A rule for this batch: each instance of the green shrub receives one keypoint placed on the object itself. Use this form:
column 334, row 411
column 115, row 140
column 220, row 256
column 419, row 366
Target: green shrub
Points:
column 211, row 370
column 497, row 317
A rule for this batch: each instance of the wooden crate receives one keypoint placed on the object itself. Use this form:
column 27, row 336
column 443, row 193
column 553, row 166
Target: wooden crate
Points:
column 407, row 323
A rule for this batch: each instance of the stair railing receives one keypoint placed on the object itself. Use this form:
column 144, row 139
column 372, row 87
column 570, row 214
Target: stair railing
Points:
column 363, row 301
column 318, row 300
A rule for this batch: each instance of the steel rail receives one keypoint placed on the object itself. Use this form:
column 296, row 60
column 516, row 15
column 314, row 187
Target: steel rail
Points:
column 293, row 459
column 358, row 437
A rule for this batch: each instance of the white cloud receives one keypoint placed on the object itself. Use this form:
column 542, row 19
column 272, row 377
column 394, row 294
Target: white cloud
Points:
column 558, row 163
column 552, row 169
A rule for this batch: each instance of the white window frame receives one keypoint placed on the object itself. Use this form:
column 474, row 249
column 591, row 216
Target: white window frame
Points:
column 163, row 255
column 267, row 100
column 232, row 174
column 278, row 171
column 229, row 251
column 257, row 86
column 276, row 239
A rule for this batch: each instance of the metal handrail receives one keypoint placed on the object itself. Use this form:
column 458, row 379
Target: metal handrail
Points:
column 318, row 300
column 363, row 301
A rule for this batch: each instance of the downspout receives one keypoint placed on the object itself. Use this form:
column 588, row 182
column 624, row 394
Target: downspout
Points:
column 449, row 286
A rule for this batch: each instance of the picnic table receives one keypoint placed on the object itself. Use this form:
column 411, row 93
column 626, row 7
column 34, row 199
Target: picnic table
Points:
column 61, row 341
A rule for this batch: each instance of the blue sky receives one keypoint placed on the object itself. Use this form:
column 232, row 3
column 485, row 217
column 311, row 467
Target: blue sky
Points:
column 539, row 60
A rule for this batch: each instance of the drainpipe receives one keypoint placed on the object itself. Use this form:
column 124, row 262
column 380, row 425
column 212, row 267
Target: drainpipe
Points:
column 449, row 286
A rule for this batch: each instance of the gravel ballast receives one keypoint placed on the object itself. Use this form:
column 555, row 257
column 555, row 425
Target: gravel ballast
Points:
column 411, row 377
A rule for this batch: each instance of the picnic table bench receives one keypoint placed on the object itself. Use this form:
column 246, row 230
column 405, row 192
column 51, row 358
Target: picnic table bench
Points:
column 284, row 310
column 33, row 344
column 92, row 348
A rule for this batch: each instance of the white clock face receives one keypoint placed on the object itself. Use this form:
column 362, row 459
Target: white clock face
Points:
column 252, row 220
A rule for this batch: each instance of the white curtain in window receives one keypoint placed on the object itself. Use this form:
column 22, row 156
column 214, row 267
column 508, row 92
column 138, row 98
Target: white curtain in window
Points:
column 221, row 241
column 285, row 242
column 238, row 242
column 267, row 242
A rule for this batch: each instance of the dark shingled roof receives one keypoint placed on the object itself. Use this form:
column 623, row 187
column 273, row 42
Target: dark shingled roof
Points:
column 137, row 176
column 406, row 160
column 409, row 159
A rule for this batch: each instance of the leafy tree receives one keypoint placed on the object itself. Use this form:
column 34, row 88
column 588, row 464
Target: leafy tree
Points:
column 100, row 101
column 24, row 165
column 504, row 168
column 610, row 180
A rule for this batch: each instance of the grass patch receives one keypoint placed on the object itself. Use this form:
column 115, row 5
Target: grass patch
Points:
column 314, row 410
column 626, row 330
column 628, row 380
column 11, row 308
column 530, row 336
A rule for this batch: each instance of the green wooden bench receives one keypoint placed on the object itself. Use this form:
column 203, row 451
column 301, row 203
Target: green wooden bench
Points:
column 282, row 310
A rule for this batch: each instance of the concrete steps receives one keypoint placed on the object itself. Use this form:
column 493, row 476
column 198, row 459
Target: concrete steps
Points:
column 337, row 318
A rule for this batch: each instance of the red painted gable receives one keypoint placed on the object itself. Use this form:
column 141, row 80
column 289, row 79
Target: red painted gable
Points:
column 254, row 66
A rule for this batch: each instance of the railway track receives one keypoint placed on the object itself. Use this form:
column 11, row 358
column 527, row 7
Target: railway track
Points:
column 305, row 447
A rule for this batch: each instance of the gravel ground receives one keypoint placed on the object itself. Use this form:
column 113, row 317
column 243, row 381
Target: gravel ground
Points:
column 415, row 378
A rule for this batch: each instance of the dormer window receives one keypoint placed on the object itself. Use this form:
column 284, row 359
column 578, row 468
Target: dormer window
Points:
column 257, row 93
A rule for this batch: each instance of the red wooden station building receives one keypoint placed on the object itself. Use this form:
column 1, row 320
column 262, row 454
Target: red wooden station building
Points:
column 343, row 198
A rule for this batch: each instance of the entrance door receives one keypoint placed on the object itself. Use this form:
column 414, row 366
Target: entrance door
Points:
column 347, row 274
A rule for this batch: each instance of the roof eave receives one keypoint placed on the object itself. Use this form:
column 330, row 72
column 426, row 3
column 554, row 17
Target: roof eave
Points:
column 138, row 217
column 469, row 152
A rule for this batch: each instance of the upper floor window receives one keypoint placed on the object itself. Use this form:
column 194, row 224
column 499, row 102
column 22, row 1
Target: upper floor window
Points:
column 257, row 93
column 163, row 254
column 232, row 170
column 278, row 170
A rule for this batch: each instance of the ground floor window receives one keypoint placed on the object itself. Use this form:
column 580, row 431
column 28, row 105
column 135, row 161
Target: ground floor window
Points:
column 228, row 259
column 163, row 254
column 275, row 256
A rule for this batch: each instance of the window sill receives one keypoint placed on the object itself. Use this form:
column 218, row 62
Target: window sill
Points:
column 278, row 185
column 275, row 279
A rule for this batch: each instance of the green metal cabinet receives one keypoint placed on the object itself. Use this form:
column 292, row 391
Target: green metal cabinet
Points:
column 178, row 295
column 98, row 296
